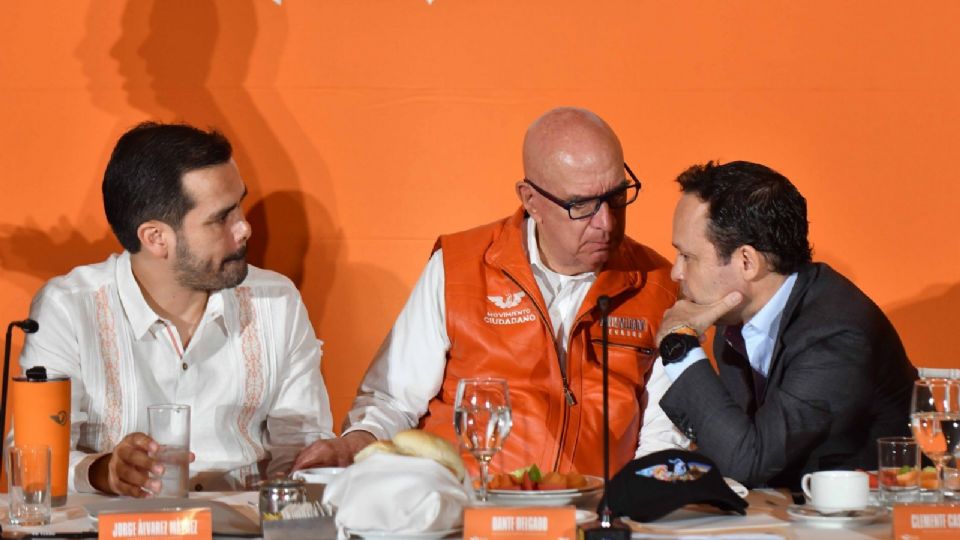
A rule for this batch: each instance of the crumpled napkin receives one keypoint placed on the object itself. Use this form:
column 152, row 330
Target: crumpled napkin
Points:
column 397, row 494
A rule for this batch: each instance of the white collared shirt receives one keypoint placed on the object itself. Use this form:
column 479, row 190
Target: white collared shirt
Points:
column 760, row 332
column 407, row 371
column 250, row 373
column 563, row 294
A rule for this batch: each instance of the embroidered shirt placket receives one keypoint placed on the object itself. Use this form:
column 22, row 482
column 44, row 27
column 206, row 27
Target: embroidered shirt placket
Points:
column 174, row 339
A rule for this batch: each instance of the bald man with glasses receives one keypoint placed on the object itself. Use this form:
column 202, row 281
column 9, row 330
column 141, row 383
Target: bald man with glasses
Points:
column 516, row 299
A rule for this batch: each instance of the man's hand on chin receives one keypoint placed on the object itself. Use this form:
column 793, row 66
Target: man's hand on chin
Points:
column 696, row 316
column 336, row 452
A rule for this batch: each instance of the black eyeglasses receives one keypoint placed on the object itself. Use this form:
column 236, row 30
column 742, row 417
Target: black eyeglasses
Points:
column 583, row 208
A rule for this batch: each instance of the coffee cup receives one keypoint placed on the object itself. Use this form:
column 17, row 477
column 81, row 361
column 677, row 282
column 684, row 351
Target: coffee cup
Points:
column 836, row 491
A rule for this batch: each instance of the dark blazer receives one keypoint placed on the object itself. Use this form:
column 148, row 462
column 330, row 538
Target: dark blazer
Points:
column 839, row 378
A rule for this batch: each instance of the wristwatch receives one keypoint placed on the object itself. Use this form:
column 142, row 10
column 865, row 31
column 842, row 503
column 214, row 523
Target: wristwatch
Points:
column 675, row 346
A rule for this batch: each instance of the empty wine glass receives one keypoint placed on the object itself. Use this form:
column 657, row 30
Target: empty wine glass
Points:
column 935, row 419
column 482, row 420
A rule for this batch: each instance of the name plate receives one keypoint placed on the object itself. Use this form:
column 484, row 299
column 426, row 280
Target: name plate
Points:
column 526, row 523
column 926, row 521
column 186, row 524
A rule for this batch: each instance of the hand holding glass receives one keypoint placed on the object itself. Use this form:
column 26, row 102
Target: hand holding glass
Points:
column 170, row 427
column 935, row 419
column 482, row 419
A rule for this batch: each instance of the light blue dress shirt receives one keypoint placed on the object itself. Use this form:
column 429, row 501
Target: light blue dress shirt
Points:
column 759, row 335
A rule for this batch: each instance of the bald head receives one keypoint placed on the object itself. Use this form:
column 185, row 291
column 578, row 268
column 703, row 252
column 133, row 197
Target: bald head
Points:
column 567, row 141
column 572, row 155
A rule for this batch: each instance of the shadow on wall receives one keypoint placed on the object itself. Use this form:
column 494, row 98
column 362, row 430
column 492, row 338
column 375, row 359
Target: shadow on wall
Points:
column 36, row 254
column 927, row 325
column 164, row 55
column 189, row 61
column 922, row 322
column 294, row 233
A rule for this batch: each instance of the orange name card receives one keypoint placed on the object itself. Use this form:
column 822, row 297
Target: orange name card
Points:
column 926, row 521
column 187, row 524
column 527, row 523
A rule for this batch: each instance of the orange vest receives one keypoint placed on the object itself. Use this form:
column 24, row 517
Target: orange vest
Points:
column 514, row 340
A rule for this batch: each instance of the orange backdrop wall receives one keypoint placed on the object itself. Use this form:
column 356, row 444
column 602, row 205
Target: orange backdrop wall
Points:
column 365, row 128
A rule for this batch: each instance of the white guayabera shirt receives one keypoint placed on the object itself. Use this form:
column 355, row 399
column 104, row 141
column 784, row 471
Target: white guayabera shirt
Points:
column 250, row 374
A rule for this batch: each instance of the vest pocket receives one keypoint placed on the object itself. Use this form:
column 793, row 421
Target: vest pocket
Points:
column 628, row 360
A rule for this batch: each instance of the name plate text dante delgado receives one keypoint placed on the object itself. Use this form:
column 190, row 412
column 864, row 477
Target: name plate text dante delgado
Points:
column 186, row 524
column 528, row 523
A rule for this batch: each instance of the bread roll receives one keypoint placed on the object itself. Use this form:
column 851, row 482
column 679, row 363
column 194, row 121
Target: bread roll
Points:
column 415, row 442
column 376, row 447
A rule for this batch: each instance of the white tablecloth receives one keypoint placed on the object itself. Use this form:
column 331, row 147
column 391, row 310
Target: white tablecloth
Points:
column 766, row 506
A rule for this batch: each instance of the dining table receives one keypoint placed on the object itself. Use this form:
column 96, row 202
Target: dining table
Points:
column 767, row 514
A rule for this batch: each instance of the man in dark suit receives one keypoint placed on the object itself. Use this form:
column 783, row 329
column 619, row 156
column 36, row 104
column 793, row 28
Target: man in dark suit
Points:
column 811, row 372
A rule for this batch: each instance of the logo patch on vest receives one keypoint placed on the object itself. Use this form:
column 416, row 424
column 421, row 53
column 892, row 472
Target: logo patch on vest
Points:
column 514, row 316
column 511, row 300
column 627, row 326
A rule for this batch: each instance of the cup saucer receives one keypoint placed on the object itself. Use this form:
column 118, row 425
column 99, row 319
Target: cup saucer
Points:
column 812, row 516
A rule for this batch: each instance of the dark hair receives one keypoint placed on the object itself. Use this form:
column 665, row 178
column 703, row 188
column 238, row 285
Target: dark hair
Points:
column 751, row 204
column 143, row 179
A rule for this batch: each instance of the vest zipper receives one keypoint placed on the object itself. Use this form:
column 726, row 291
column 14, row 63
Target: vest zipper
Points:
column 563, row 432
column 567, row 393
column 644, row 350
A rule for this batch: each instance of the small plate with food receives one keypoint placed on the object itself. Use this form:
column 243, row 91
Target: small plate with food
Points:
column 531, row 487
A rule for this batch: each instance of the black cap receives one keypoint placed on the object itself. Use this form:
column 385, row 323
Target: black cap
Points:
column 659, row 483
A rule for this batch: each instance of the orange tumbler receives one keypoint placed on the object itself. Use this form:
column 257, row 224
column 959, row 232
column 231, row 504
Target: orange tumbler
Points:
column 41, row 416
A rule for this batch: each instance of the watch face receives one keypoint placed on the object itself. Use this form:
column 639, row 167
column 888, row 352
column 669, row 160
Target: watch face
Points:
column 672, row 347
column 675, row 346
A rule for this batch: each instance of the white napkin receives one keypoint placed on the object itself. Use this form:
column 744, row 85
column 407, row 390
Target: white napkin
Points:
column 397, row 494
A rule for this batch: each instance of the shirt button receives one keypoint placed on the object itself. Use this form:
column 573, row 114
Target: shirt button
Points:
column 184, row 366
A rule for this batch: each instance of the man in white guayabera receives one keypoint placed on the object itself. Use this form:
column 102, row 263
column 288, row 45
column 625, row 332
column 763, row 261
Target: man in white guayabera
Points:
column 179, row 317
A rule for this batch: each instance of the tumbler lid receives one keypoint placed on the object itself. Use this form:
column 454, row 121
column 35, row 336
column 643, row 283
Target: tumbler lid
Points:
column 39, row 374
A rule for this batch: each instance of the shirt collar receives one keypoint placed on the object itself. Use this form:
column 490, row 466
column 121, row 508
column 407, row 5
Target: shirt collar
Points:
column 533, row 251
column 138, row 312
column 767, row 320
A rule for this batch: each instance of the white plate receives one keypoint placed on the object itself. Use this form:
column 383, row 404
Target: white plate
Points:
column 546, row 497
column 384, row 535
column 318, row 475
column 737, row 487
column 585, row 516
column 810, row 516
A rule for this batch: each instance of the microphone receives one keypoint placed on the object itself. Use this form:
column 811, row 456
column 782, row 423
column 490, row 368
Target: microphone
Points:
column 606, row 528
column 28, row 326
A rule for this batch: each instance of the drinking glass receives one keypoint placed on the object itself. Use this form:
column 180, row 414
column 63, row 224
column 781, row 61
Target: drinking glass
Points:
column 898, row 469
column 169, row 426
column 482, row 420
column 935, row 419
column 28, row 482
